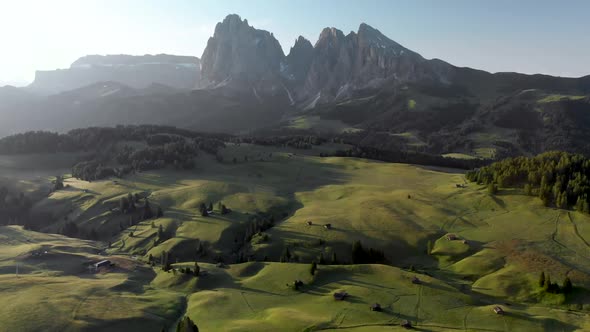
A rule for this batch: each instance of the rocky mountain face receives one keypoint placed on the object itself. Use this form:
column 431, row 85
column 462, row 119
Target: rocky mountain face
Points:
column 179, row 72
column 242, row 57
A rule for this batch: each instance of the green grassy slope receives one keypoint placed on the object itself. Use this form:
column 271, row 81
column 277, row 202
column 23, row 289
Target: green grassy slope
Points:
column 509, row 239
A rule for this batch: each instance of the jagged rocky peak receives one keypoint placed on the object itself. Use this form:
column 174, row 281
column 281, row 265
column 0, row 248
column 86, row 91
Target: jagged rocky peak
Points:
column 299, row 59
column 329, row 36
column 239, row 52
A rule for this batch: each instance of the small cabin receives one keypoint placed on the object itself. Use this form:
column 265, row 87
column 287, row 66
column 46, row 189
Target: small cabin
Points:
column 328, row 226
column 309, row 223
column 340, row 296
column 102, row 263
column 298, row 283
column 406, row 324
column 451, row 237
column 376, row 307
column 416, row 281
column 498, row 310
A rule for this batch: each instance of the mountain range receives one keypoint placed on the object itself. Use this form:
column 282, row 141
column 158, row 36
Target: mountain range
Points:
column 362, row 85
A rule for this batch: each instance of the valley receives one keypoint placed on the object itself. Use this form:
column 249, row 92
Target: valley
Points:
column 405, row 211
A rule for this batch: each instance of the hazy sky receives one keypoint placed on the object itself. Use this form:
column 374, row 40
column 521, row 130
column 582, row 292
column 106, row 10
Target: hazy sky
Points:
column 551, row 37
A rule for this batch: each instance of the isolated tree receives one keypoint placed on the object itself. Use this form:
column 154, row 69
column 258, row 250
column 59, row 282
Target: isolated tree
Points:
column 160, row 233
column 165, row 261
column 492, row 188
column 210, row 207
column 59, row 183
column 160, row 213
column 186, row 325
column 130, row 203
column 147, row 210
column 197, row 269
column 313, row 268
column 334, row 260
column 542, row 279
column 123, row 204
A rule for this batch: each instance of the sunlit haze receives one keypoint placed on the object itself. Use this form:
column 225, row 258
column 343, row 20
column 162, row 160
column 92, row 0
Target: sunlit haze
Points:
column 522, row 36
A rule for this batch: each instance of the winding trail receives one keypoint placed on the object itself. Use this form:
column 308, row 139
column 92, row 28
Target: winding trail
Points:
column 576, row 230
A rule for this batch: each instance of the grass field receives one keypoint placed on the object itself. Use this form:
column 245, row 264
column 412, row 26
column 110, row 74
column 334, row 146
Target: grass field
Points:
column 509, row 239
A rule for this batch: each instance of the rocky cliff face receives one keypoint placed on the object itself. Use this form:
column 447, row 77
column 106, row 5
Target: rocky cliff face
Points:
column 241, row 56
column 180, row 72
column 366, row 59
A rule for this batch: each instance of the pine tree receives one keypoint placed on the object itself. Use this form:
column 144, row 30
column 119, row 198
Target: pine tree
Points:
column 334, row 260
column 160, row 233
column 210, row 208
column 547, row 284
column 542, row 279
column 197, row 269
column 286, row 256
column 321, row 259
column 567, row 286
column 147, row 210
column 160, row 213
column 429, row 247
column 313, row 268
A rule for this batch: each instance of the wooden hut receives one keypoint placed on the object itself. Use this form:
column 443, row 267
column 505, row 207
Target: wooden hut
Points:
column 498, row 310
column 451, row 237
column 309, row 223
column 340, row 296
column 328, row 226
column 406, row 324
column 376, row 307
column 416, row 281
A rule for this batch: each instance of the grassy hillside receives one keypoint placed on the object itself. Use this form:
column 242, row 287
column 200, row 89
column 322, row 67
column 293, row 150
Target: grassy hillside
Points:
column 501, row 244
column 55, row 290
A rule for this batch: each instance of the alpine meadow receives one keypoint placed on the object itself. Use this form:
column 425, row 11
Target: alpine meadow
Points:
column 347, row 184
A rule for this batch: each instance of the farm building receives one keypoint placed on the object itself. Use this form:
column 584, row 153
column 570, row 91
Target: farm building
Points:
column 406, row 324
column 416, row 281
column 328, row 226
column 452, row 237
column 340, row 296
column 103, row 263
column 498, row 310
column 309, row 223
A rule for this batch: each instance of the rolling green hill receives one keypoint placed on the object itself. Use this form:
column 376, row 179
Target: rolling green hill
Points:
column 500, row 244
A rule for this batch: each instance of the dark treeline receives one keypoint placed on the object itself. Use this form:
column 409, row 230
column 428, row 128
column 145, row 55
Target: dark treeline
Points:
column 89, row 139
column 407, row 157
column 557, row 178
column 14, row 207
column 295, row 141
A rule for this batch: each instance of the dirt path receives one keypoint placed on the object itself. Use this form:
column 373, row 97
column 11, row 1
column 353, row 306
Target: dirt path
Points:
column 576, row 230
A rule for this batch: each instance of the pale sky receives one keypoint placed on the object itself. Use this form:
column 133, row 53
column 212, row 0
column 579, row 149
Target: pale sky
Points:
column 550, row 37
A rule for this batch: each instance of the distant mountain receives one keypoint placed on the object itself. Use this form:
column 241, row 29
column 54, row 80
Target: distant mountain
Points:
column 363, row 87
column 180, row 72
